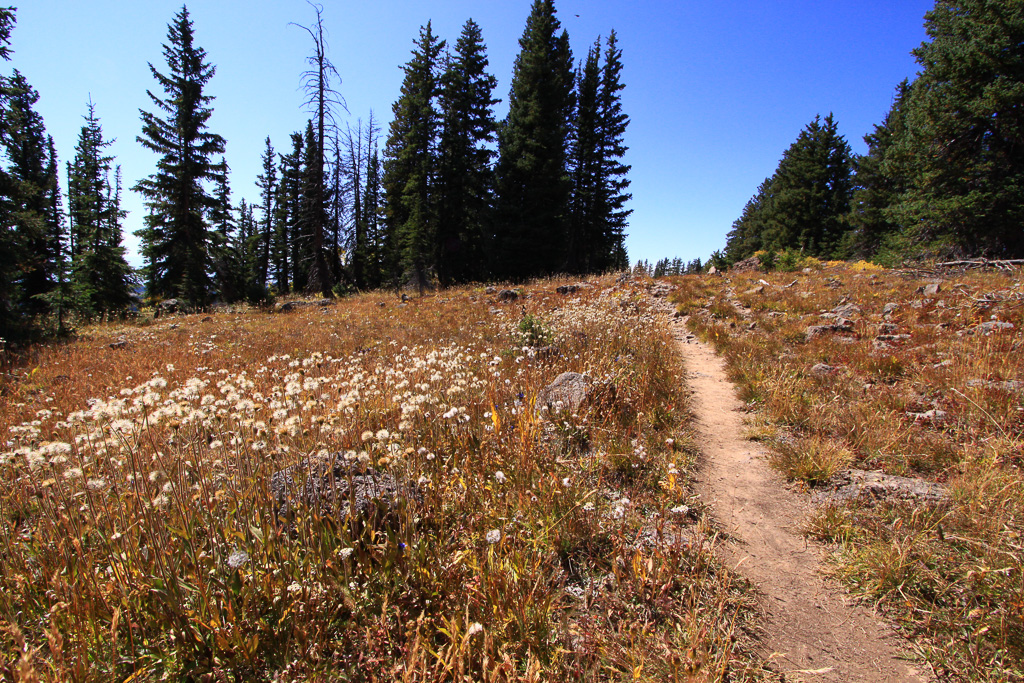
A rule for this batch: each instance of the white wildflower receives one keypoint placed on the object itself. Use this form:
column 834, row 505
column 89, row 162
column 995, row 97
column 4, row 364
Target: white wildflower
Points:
column 493, row 536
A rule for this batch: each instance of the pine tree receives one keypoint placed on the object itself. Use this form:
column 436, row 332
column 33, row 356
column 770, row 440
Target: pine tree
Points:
column 585, row 236
column 312, row 274
column 379, row 263
column 285, row 249
column 880, row 178
column 176, row 241
column 745, row 238
column 32, row 200
column 532, row 180
column 410, row 164
column 267, row 184
column 612, row 193
column 965, row 131
column 465, row 179
column 100, row 278
column 226, row 256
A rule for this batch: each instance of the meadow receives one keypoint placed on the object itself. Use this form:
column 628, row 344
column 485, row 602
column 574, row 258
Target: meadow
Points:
column 911, row 373
column 140, row 539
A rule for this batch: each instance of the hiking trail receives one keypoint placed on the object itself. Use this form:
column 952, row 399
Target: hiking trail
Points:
column 814, row 631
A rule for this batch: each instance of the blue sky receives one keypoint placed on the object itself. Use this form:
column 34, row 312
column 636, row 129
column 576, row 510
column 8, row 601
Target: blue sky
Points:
column 716, row 90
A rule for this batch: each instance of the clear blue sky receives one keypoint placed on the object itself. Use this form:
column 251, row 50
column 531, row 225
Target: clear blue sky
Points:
column 716, row 90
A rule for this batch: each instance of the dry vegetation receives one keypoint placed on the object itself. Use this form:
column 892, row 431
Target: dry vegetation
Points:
column 920, row 383
column 139, row 539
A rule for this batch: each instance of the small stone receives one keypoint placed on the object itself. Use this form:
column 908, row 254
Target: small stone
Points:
column 567, row 289
column 824, row 369
column 994, row 326
column 508, row 295
column 119, row 344
column 890, row 308
column 930, row 289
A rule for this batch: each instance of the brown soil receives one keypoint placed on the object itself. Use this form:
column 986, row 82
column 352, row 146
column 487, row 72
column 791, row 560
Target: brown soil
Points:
column 813, row 630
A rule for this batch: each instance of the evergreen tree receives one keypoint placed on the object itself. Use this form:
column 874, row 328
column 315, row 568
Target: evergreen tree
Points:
column 226, row 252
column 532, row 180
column 285, row 249
column 31, row 203
column 465, row 179
column 379, row 251
column 965, row 131
column 612, row 194
column 267, row 184
column 176, row 241
column 585, row 236
column 745, row 238
column 804, row 205
column 411, row 161
column 100, row 277
column 880, row 178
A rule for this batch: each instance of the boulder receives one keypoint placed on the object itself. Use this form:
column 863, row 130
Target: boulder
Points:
column 847, row 310
column 571, row 390
column 823, row 370
column 930, row 289
column 167, row 307
column 508, row 295
column 873, row 487
column 841, row 325
column 346, row 489
column 889, row 309
column 567, row 289
column 994, row 326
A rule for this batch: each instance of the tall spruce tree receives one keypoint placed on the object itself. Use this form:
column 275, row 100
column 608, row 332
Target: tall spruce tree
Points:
column 100, row 277
column 585, row 235
column 32, row 203
column 465, row 180
column 285, row 250
column 748, row 230
column 176, row 241
column 532, row 180
column 410, row 164
column 879, row 181
column 612, row 194
column 267, row 184
column 805, row 203
column 965, row 131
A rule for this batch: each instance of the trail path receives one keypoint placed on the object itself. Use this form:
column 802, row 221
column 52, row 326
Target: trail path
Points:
column 814, row 632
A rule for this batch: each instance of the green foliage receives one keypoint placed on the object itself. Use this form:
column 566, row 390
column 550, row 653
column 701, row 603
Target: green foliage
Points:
column 465, row 177
column 533, row 185
column 533, row 332
column 176, row 240
column 410, row 165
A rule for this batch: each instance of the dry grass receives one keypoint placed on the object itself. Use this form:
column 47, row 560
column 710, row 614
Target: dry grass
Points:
column 138, row 538
column 929, row 390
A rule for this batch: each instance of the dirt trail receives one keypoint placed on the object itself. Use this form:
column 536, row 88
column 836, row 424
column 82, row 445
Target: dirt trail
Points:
column 814, row 632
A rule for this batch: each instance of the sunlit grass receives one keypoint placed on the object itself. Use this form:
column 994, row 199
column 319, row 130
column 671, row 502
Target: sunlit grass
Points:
column 138, row 534
column 921, row 385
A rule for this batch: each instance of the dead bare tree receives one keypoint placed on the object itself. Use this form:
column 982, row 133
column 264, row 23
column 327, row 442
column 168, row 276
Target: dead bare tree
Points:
column 322, row 98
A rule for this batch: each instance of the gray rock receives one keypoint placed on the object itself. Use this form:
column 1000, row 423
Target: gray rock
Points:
column 490, row 290
column 571, row 390
column 840, row 326
column 567, row 289
column 119, row 344
column 290, row 306
column 890, row 308
column 874, row 487
column 847, row 310
column 755, row 290
column 893, row 337
column 930, row 289
column 888, row 328
column 338, row 487
column 994, row 326
column 508, row 295
column 823, row 370
column 1007, row 385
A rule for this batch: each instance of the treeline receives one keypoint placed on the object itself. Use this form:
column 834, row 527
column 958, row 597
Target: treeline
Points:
column 944, row 172
column 454, row 195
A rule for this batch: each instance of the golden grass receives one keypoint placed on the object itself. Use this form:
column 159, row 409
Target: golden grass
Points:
column 928, row 390
column 138, row 538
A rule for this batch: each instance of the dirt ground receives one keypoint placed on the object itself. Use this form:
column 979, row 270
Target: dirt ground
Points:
column 813, row 631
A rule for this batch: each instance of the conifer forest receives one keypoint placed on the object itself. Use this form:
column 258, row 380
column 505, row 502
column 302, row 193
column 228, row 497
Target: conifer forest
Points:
column 446, row 195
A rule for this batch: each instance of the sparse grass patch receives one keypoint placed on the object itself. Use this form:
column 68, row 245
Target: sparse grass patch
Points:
column 140, row 539
column 926, row 383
